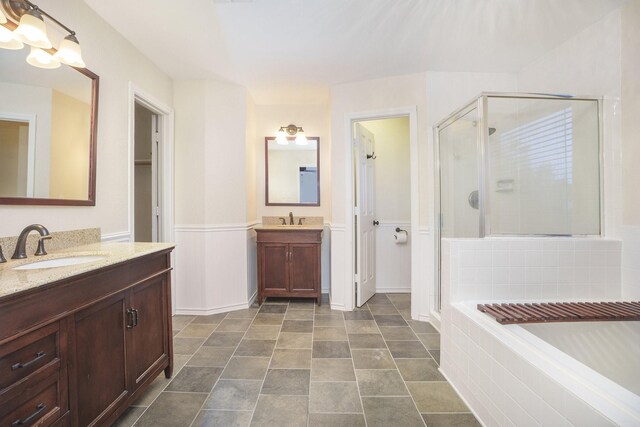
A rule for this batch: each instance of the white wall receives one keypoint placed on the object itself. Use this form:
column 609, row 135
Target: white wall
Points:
column 117, row 63
column 214, row 181
column 315, row 120
column 392, row 197
column 363, row 98
column 630, row 89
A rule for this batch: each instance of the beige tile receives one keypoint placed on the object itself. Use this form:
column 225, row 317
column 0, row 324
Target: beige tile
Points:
column 331, row 397
column 268, row 319
column 430, row 341
column 332, row 370
column 210, row 319
column 246, row 368
column 233, row 325
column 294, row 340
column 285, row 358
column 391, row 411
column 195, row 379
column 450, row 420
column 224, row 339
column 262, row 332
column 366, row 341
column 436, row 397
column 172, row 409
column 186, row 345
column 362, row 327
column 217, row 418
column 336, row 420
column 211, row 356
column 236, row 395
column 286, row 382
column 419, row 370
column 422, row 327
column 297, row 326
column 196, row 330
column 247, row 313
column 276, row 410
column 299, row 315
column 372, row 359
column 257, row 348
column 331, row 349
column 329, row 333
column 407, row 349
column 328, row 320
column 380, row 382
column 398, row 333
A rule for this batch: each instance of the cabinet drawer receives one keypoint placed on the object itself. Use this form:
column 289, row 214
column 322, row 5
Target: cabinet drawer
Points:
column 27, row 354
column 41, row 409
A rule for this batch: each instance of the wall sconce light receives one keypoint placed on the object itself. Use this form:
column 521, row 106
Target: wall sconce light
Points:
column 291, row 130
column 26, row 20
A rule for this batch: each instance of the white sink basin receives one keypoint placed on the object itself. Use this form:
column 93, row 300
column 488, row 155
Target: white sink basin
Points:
column 60, row 262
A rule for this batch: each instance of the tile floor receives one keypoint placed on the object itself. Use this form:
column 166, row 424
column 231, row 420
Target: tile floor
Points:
column 291, row 363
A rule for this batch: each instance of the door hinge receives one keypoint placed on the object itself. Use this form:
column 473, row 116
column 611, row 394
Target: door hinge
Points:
column 157, row 210
column 356, row 277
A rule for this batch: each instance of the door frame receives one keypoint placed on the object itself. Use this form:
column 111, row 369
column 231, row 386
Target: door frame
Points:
column 350, row 120
column 165, row 167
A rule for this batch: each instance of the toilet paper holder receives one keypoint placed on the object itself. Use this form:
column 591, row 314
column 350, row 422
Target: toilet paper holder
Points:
column 398, row 230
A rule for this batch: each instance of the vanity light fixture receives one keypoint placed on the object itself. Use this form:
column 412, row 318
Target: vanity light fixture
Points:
column 30, row 28
column 291, row 130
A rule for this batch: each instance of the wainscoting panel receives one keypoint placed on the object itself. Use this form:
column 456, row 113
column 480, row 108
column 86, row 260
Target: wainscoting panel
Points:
column 212, row 268
column 393, row 261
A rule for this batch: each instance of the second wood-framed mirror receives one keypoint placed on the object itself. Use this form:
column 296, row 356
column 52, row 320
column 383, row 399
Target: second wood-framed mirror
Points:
column 292, row 172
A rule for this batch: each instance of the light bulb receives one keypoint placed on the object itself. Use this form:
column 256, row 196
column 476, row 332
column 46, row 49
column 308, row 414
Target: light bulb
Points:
column 281, row 137
column 32, row 30
column 8, row 40
column 69, row 52
column 301, row 139
column 41, row 59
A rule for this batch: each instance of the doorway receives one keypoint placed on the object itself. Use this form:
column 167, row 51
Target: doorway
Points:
column 146, row 180
column 382, row 206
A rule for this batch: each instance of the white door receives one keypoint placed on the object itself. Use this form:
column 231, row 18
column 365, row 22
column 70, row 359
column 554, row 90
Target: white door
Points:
column 365, row 210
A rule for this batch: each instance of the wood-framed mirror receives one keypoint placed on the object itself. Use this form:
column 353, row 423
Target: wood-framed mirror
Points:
column 48, row 131
column 292, row 172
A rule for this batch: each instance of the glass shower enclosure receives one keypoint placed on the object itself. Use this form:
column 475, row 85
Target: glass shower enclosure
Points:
column 519, row 165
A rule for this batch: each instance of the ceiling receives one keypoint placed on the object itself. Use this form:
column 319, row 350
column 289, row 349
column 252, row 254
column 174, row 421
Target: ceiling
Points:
column 292, row 51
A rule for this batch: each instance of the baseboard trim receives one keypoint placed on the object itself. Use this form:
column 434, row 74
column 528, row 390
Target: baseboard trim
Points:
column 339, row 307
column 123, row 236
column 403, row 290
column 208, row 311
column 253, row 298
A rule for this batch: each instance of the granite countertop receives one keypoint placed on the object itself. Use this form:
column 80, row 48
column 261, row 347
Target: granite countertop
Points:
column 314, row 227
column 16, row 281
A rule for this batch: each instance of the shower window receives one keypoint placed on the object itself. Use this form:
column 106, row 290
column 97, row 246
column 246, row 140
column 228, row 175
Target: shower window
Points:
column 543, row 164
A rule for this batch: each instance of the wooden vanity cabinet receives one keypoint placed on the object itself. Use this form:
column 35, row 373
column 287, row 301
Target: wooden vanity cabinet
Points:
column 289, row 263
column 105, row 335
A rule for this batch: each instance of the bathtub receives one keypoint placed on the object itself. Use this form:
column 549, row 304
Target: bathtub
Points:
column 549, row 374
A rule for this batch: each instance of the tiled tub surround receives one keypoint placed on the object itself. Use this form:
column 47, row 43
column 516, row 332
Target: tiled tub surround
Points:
column 296, row 364
column 14, row 281
column 505, row 374
column 517, row 269
column 510, row 377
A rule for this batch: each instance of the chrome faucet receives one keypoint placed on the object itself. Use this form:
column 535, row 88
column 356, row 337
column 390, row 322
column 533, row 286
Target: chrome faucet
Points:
column 290, row 218
column 21, row 245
